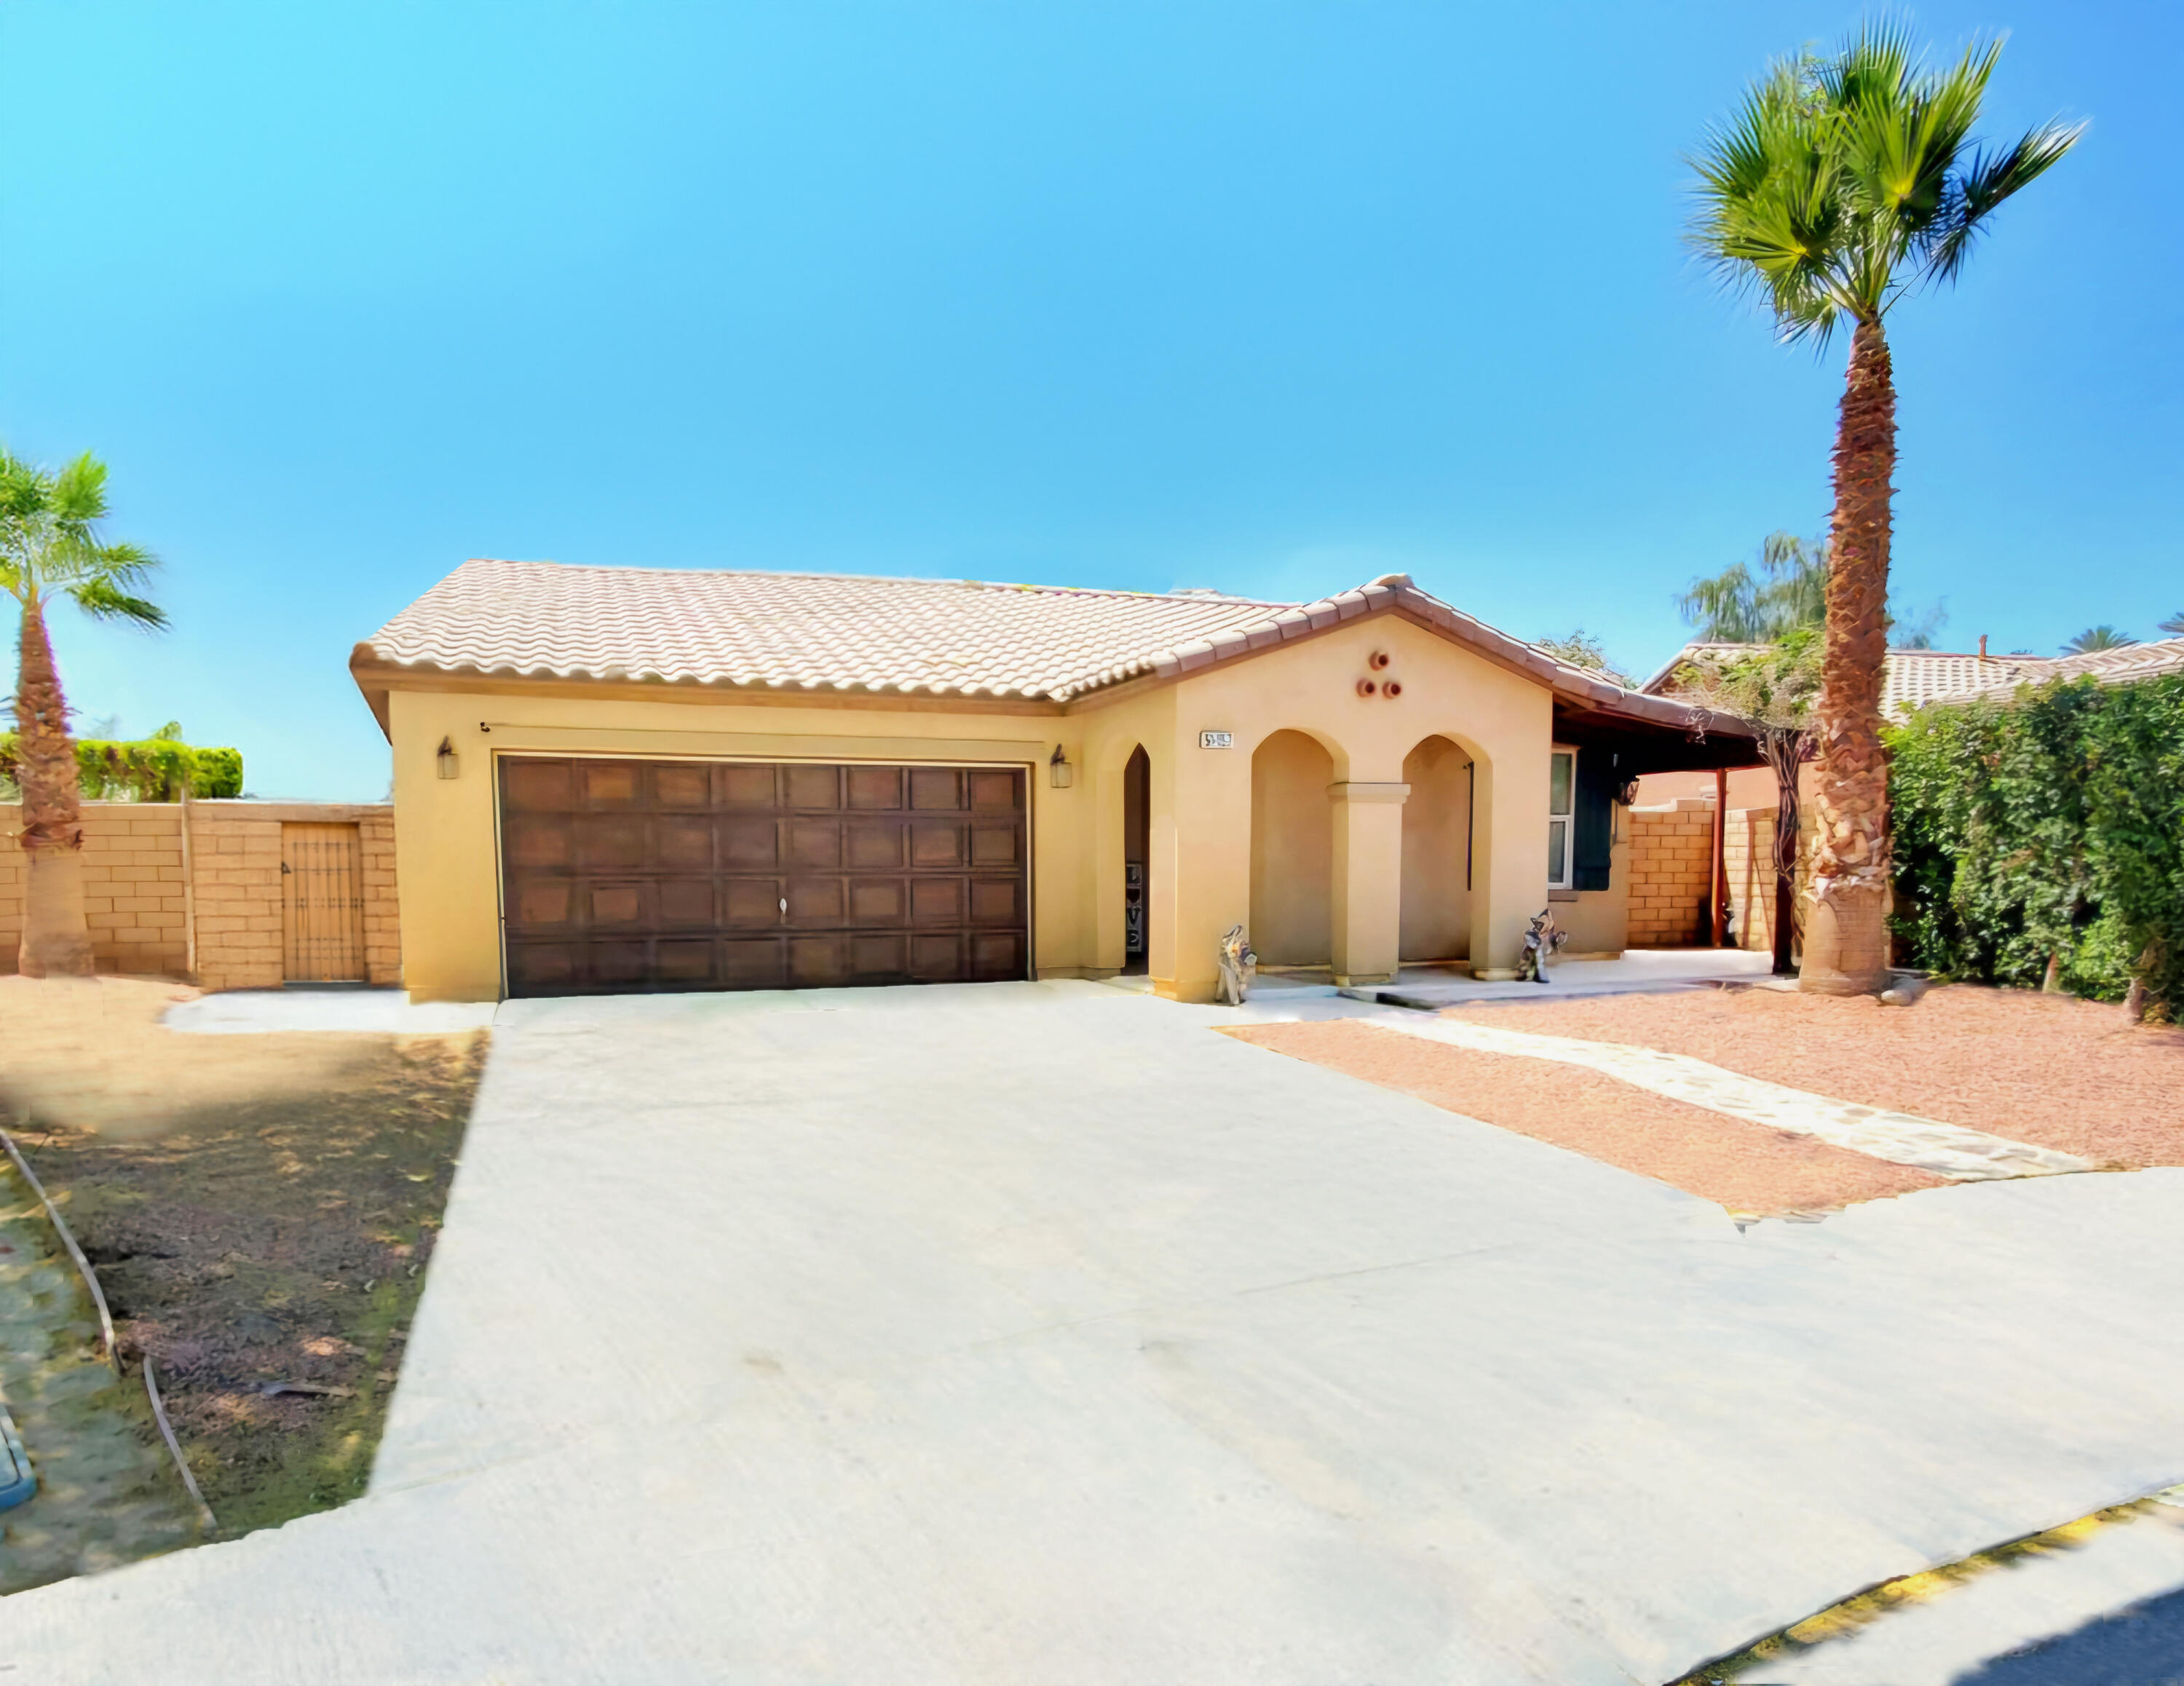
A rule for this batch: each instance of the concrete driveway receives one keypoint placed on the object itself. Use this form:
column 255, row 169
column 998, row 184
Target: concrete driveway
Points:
column 1034, row 1333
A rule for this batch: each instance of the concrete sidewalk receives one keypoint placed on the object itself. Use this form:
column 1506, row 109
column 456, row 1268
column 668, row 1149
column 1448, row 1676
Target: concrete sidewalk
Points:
column 1032, row 1331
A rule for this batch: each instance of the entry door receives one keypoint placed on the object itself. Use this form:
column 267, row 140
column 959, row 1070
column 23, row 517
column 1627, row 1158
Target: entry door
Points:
column 629, row 876
column 322, row 903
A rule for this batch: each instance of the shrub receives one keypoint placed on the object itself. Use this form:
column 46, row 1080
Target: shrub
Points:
column 151, row 769
column 2049, row 824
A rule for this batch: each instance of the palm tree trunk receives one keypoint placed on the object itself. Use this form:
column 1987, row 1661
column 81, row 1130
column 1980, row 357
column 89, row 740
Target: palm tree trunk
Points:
column 1846, row 935
column 56, row 933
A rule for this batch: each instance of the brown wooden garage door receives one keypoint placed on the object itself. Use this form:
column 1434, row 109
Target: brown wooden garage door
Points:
column 622, row 876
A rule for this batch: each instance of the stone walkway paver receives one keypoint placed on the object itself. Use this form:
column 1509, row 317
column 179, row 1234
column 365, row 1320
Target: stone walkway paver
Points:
column 1900, row 1137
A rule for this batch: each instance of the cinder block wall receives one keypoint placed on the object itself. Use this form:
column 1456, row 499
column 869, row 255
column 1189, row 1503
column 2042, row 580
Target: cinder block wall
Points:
column 1748, row 845
column 135, row 895
column 1671, row 874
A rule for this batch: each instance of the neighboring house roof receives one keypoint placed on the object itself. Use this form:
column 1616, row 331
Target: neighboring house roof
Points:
column 1915, row 678
column 855, row 633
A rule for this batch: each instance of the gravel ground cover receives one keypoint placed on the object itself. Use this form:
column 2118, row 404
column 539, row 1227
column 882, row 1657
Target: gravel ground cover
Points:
column 260, row 1210
column 1747, row 1168
column 2044, row 1069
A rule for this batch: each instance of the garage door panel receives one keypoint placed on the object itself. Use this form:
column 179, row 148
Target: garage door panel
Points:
column 621, row 905
column 879, row 901
column 746, row 964
column 538, row 968
column 879, row 959
column 995, row 956
column 753, row 902
column 996, row 901
column 610, row 840
column 548, row 786
column 543, row 901
column 814, row 787
column 815, row 842
column 936, row 957
column 819, row 962
column 816, row 901
column 611, row 784
column 993, row 790
column 937, row 901
column 748, row 787
column 684, row 962
column 873, row 845
column 936, row 787
column 748, row 842
column 619, row 963
column 683, row 840
column 993, row 845
column 633, row 876
column 688, row 902
column 874, row 787
column 537, row 840
column 682, row 785
column 936, row 843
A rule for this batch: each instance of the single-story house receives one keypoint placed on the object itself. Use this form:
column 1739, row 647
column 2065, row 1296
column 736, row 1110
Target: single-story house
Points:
column 623, row 779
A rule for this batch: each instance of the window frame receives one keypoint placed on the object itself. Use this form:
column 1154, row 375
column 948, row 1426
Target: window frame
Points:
column 1567, row 819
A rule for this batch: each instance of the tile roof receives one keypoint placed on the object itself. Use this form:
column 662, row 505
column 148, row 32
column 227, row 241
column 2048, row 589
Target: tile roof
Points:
column 847, row 633
column 1915, row 678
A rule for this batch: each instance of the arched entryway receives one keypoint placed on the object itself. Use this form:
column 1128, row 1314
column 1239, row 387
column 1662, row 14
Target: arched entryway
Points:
column 1292, row 852
column 1438, row 840
column 1137, row 861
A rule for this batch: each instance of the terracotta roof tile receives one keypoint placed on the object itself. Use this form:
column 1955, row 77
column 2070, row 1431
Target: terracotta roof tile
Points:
column 1915, row 678
column 847, row 633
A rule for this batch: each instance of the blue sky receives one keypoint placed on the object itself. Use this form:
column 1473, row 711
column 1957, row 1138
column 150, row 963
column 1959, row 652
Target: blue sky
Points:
column 1268, row 297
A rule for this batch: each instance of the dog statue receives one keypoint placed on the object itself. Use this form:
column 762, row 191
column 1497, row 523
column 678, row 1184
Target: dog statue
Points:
column 1237, row 963
column 1542, row 939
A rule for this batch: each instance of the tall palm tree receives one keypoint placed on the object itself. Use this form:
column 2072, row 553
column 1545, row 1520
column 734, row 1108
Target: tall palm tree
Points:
column 2174, row 626
column 49, row 548
column 2101, row 637
column 1839, row 185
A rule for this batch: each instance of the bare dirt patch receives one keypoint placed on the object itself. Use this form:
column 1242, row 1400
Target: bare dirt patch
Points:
column 1747, row 1168
column 2044, row 1069
column 260, row 1210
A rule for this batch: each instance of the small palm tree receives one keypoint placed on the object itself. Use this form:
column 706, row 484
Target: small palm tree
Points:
column 2101, row 637
column 2174, row 626
column 1840, row 185
column 50, row 548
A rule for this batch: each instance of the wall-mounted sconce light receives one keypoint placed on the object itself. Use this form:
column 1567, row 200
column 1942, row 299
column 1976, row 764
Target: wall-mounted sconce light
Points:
column 451, row 766
column 1059, row 771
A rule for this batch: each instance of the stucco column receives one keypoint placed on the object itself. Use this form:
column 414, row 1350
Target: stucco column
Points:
column 1201, row 866
column 1368, row 880
column 1509, row 882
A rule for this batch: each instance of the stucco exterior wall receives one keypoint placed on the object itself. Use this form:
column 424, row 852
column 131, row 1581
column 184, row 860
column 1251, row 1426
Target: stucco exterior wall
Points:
column 1292, row 915
column 1200, row 809
column 1437, row 868
column 141, row 903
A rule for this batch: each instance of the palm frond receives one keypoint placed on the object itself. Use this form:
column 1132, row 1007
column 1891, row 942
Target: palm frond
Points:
column 1988, row 178
column 1838, row 182
column 79, row 495
column 103, row 600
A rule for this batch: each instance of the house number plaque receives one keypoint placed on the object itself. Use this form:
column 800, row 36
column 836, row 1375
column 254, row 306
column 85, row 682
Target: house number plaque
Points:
column 1215, row 740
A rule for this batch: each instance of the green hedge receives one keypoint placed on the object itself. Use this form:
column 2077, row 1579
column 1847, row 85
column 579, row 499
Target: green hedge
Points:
column 2051, row 824
column 154, row 770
